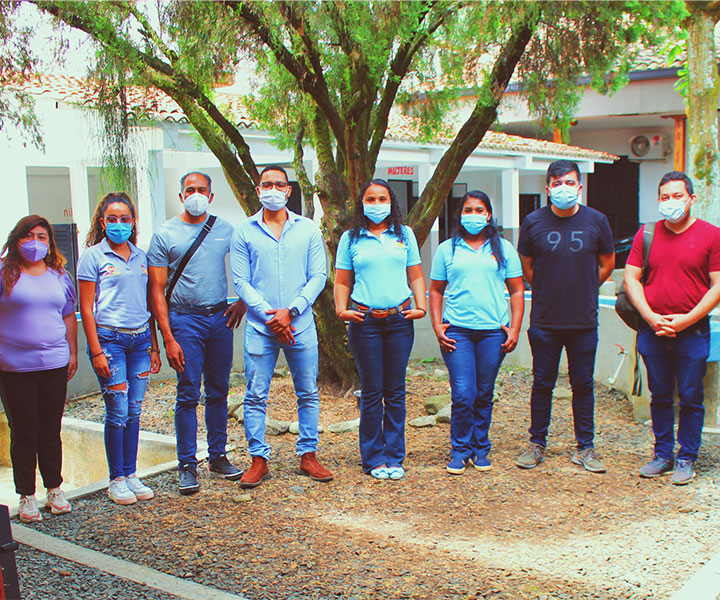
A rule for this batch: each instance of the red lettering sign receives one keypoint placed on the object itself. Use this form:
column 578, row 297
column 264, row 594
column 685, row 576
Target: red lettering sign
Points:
column 401, row 170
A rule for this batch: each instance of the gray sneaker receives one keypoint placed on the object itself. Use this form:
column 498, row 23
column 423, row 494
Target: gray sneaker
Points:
column 589, row 459
column 657, row 467
column 532, row 457
column 684, row 472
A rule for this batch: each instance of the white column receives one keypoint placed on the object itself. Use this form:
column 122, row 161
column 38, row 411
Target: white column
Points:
column 510, row 189
column 156, row 189
column 80, row 200
column 15, row 187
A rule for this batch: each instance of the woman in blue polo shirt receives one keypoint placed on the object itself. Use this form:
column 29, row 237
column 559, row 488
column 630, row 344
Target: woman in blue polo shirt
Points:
column 472, row 269
column 122, row 343
column 377, row 266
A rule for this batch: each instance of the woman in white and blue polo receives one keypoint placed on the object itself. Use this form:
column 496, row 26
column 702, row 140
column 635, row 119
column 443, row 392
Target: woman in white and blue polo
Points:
column 472, row 270
column 122, row 343
column 376, row 269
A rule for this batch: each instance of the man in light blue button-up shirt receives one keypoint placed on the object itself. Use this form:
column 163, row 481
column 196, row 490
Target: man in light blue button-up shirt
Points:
column 279, row 268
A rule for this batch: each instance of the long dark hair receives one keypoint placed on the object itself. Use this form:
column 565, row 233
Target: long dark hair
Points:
column 11, row 257
column 490, row 232
column 360, row 221
column 97, row 233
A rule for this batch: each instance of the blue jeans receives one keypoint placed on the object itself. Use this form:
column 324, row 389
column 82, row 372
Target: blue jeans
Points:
column 381, row 348
column 207, row 344
column 580, row 347
column 261, row 353
column 473, row 367
column 683, row 360
column 128, row 357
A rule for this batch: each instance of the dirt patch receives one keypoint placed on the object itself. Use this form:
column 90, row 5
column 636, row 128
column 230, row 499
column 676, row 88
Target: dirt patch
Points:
column 556, row 531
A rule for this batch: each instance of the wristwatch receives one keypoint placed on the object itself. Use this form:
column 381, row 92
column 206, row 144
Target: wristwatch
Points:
column 294, row 312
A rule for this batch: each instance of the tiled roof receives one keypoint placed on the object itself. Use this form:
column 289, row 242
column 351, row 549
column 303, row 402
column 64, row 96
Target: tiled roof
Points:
column 154, row 104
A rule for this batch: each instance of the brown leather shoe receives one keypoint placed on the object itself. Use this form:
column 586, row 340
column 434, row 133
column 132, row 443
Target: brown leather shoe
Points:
column 311, row 467
column 255, row 475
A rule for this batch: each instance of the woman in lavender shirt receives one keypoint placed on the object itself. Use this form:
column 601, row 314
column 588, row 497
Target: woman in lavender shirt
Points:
column 122, row 343
column 38, row 355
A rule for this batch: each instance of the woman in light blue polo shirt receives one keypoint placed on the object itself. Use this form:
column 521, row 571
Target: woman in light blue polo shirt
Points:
column 472, row 270
column 122, row 343
column 377, row 269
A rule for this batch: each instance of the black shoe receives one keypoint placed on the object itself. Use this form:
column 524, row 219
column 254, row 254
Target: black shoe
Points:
column 188, row 483
column 222, row 467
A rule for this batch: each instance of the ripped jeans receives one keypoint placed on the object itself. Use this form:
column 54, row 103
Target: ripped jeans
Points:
column 128, row 357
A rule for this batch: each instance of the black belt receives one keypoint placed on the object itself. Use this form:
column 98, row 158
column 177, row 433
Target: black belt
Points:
column 379, row 313
column 199, row 310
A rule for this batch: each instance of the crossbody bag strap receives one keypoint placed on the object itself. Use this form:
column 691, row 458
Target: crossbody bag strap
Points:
column 189, row 254
column 648, row 237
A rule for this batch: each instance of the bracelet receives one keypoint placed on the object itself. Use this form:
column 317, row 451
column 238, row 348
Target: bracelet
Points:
column 155, row 350
column 98, row 354
column 422, row 309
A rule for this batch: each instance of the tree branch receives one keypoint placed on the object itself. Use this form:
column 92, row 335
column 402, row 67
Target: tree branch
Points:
column 471, row 133
column 398, row 69
column 306, row 186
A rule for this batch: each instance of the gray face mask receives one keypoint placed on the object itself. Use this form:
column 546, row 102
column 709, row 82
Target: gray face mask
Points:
column 273, row 199
column 196, row 204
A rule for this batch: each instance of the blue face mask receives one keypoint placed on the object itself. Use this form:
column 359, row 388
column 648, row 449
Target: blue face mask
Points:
column 118, row 232
column 377, row 213
column 473, row 224
column 564, row 196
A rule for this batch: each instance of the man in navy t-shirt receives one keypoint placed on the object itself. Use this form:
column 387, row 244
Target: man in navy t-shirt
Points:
column 567, row 252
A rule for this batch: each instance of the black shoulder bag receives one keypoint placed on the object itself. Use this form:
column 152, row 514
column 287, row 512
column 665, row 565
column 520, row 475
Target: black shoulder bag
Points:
column 189, row 254
column 623, row 306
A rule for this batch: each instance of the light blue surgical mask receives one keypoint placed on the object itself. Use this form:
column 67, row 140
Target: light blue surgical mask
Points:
column 564, row 196
column 118, row 232
column 672, row 210
column 273, row 199
column 473, row 224
column 377, row 213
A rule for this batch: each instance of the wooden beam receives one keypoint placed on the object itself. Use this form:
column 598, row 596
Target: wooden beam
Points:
column 679, row 141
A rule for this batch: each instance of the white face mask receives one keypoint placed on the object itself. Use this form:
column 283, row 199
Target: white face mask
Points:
column 672, row 210
column 273, row 199
column 196, row 204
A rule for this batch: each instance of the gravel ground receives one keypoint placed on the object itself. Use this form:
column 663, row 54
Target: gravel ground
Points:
column 553, row 532
column 47, row 577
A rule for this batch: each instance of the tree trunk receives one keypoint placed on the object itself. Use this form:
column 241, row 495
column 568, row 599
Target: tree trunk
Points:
column 335, row 359
column 702, row 113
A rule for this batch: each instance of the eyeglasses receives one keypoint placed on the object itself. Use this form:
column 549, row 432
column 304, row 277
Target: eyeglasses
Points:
column 268, row 185
column 124, row 219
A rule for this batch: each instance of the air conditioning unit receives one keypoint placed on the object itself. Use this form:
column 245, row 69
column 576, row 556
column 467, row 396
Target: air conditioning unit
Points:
column 648, row 146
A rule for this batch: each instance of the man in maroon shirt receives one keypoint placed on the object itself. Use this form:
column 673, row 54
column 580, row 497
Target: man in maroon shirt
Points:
column 680, row 288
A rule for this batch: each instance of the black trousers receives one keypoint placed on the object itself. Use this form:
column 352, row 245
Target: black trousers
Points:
column 34, row 404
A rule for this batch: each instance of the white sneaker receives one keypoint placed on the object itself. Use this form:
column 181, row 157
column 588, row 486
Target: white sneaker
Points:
column 29, row 511
column 137, row 487
column 57, row 502
column 120, row 493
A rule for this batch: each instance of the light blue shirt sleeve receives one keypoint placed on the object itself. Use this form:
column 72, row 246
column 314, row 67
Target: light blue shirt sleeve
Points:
column 438, row 271
column 157, row 254
column 87, row 268
column 413, row 255
column 241, row 276
column 70, row 295
column 316, row 273
column 343, row 259
column 513, row 266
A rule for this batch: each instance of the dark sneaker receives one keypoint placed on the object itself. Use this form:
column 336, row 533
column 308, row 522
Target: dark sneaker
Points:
column 657, row 467
column 684, row 472
column 188, row 483
column 589, row 459
column 481, row 463
column 222, row 467
column 456, row 466
column 532, row 457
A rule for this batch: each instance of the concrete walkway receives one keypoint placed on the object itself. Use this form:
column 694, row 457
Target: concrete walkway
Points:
column 181, row 588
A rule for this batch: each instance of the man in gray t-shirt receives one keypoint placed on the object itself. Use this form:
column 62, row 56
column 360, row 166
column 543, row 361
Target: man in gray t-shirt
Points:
column 196, row 325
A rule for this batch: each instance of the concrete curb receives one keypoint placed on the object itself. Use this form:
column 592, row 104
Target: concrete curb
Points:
column 181, row 588
column 704, row 585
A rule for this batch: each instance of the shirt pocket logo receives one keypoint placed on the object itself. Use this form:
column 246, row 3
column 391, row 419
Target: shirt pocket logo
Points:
column 109, row 271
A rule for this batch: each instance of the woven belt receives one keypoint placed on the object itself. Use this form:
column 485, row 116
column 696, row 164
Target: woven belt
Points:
column 141, row 329
column 379, row 313
column 199, row 310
